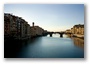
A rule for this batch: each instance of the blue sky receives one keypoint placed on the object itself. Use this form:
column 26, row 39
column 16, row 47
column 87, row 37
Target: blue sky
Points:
column 51, row 17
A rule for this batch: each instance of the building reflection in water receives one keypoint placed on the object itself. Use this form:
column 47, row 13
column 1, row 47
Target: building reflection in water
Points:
column 78, row 42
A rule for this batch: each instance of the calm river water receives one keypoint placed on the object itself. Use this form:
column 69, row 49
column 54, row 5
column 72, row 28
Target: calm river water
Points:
column 51, row 47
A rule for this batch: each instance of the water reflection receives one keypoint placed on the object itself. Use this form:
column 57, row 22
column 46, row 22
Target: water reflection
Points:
column 45, row 47
column 78, row 42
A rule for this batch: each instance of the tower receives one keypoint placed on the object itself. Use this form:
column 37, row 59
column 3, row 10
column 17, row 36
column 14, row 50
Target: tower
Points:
column 33, row 24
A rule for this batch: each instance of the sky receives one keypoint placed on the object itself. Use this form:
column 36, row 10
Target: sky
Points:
column 51, row 17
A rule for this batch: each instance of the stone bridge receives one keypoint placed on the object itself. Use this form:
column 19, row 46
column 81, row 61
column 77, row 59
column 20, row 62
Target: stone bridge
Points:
column 61, row 33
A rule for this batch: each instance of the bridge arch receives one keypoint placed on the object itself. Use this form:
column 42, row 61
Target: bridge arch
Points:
column 51, row 34
column 60, row 33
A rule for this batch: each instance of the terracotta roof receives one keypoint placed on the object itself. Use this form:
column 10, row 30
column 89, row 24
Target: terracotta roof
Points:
column 79, row 25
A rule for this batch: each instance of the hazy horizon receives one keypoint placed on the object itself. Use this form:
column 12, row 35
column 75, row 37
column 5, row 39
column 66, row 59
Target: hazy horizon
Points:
column 51, row 17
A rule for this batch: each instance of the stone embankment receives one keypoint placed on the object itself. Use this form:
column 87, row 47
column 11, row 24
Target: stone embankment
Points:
column 78, row 35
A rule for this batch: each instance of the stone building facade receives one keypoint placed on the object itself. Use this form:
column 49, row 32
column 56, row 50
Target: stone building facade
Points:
column 36, row 31
column 15, row 26
column 18, row 28
column 68, row 31
column 28, row 31
column 7, row 28
column 78, row 29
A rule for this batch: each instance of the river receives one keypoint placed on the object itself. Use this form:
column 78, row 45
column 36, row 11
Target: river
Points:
column 49, row 47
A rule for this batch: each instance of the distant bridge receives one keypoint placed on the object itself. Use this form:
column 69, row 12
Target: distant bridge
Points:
column 61, row 33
